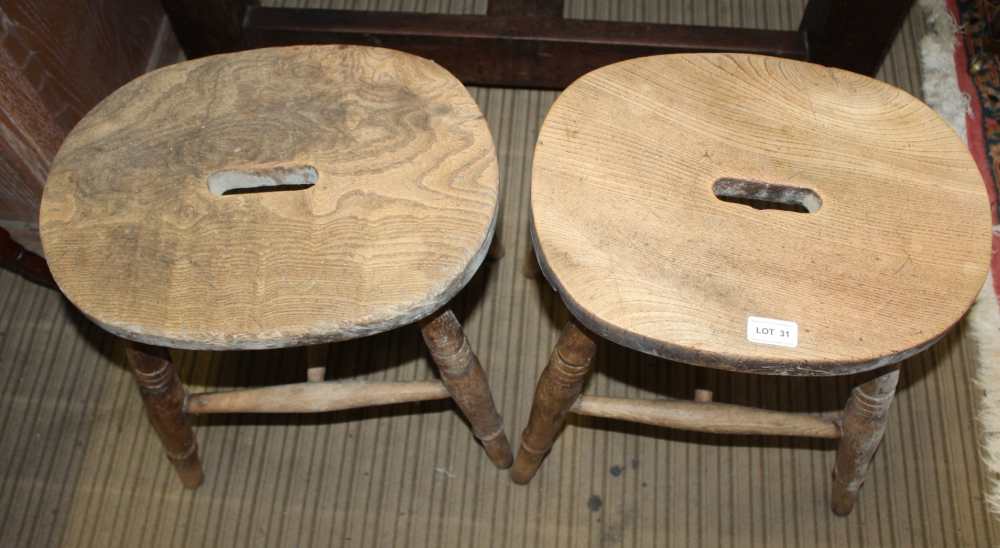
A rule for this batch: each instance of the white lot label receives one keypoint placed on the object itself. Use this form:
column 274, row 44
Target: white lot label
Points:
column 774, row 332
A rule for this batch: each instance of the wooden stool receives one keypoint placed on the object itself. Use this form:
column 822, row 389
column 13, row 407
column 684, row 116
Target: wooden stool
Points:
column 753, row 214
column 274, row 198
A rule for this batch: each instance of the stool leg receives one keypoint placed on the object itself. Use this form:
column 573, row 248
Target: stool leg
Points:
column 466, row 382
column 558, row 388
column 530, row 268
column 316, row 362
column 864, row 421
column 497, row 249
column 163, row 396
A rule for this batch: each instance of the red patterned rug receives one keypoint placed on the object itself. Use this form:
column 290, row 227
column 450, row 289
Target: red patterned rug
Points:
column 977, row 68
column 978, row 72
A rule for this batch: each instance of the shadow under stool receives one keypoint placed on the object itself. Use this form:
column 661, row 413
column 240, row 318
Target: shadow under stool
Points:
column 274, row 198
column 751, row 214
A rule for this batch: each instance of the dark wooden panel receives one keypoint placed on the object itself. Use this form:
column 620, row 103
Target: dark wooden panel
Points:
column 544, row 8
column 853, row 34
column 13, row 256
column 57, row 60
column 514, row 51
column 205, row 27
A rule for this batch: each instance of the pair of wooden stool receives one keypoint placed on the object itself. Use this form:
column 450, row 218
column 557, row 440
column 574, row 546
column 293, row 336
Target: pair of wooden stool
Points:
column 730, row 211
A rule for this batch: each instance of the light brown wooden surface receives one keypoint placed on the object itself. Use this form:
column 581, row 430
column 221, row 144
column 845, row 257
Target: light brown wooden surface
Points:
column 712, row 417
column 628, row 229
column 399, row 218
column 314, row 397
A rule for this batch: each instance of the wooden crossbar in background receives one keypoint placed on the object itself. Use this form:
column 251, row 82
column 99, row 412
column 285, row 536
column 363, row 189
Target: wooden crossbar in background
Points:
column 528, row 43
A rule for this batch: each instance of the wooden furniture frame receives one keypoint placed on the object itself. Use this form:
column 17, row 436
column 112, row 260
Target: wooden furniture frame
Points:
column 317, row 194
column 527, row 43
column 859, row 427
column 169, row 406
column 752, row 214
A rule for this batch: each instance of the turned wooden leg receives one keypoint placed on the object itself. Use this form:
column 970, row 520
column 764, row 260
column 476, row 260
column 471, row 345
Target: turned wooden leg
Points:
column 558, row 388
column 530, row 268
column 466, row 382
column 497, row 249
column 163, row 396
column 316, row 362
column 864, row 423
column 702, row 394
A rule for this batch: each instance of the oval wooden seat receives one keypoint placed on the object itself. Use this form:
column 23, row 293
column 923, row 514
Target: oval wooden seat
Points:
column 156, row 225
column 873, row 237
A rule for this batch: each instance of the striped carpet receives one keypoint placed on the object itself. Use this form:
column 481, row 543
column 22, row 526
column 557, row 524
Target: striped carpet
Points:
column 79, row 466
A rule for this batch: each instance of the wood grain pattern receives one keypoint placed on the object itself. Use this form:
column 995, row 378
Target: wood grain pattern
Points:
column 627, row 227
column 399, row 219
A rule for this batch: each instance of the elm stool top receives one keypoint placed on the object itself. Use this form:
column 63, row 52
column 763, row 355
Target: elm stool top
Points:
column 682, row 203
column 156, row 223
